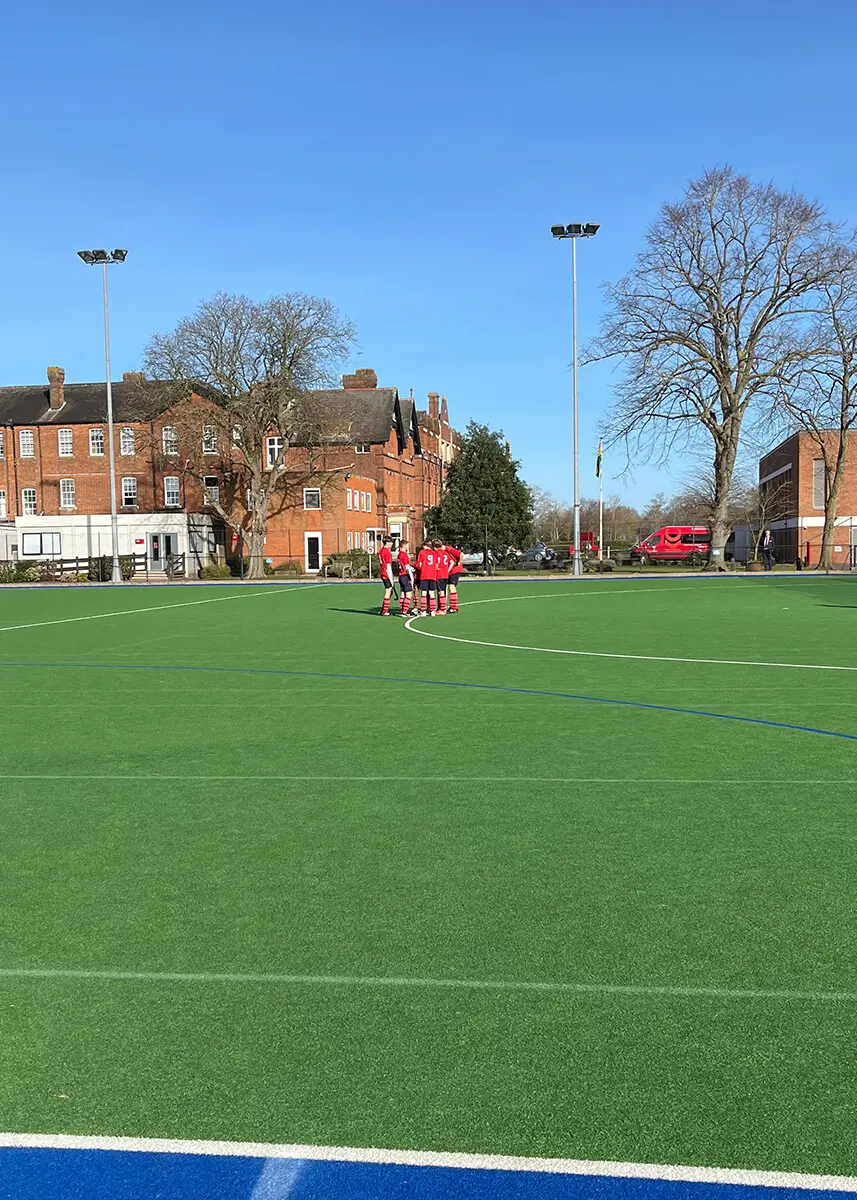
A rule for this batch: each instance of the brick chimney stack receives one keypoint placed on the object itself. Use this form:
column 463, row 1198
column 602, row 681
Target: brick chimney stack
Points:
column 133, row 376
column 444, row 411
column 363, row 380
column 56, row 379
column 434, row 402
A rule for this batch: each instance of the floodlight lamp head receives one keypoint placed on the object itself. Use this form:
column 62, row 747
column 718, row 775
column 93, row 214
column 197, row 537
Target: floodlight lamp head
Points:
column 87, row 256
column 119, row 256
column 590, row 230
column 100, row 256
column 558, row 231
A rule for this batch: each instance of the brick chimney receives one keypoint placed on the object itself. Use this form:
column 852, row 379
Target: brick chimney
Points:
column 56, row 379
column 434, row 401
column 444, row 411
column 364, row 379
column 133, row 376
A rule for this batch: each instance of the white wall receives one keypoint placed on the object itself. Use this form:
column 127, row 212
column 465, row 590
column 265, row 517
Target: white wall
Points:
column 89, row 536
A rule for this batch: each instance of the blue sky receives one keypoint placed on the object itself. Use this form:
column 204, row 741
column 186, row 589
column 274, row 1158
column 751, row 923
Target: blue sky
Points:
column 403, row 159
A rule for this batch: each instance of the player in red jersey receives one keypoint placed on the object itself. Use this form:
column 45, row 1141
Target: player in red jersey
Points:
column 442, row 576
column 456, row 570
column 385, row 558
column 427, row 571
column 406, row 577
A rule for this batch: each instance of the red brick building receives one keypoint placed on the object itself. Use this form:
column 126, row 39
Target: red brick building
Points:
column 792, row 474
column 379, row 469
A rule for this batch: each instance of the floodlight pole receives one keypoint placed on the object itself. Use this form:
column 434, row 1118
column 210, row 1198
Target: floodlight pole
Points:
column 116, row 575
column 577, row 566
column 574, row 232
column 104, row 259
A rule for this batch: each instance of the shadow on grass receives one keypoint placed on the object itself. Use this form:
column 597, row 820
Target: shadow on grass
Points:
column 360, row 612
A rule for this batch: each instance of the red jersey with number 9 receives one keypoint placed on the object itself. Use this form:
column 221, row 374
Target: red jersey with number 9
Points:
column 427, row 564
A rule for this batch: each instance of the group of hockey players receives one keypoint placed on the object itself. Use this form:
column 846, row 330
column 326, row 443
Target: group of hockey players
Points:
column 426, row 587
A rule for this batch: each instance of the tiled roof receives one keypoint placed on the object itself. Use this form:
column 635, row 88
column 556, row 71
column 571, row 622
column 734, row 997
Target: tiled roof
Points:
column 85, row 404
column 347, row 415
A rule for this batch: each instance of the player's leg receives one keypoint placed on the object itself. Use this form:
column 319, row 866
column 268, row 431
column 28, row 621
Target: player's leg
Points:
column 432, row 596
column 385, row 607
column 405, row 591
column 441, row 595
column 424, row 592
column 453, row 593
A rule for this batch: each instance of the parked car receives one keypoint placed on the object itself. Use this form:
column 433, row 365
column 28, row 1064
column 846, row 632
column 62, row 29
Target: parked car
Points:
column 684, row 545
column 541, row 555
column 477, row 559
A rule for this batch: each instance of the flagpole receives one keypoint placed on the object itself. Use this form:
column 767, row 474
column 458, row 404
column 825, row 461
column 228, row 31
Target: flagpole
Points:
column 601, row 512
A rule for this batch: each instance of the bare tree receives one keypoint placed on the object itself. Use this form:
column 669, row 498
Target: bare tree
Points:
column 552, row 520
column 255, row 367
column 821, row 398
column 711, row 318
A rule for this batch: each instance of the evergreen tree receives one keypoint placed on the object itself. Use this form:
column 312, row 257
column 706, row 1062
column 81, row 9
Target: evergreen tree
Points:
column 483, row 495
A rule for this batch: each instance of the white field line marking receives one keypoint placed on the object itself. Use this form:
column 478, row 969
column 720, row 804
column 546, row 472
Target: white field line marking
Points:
column 652, row 991
column 433, row 1158
column 127, row 612
column 720, row 662
column 631, row 779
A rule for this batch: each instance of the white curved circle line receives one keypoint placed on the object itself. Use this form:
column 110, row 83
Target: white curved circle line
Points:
column 719, row 662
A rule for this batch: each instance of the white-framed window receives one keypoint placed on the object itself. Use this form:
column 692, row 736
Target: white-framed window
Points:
column 236, row 435
column 2, row 449
column 348, row 497
column 312, row 497
column 368, row 501
column 209, row 439
column 2, row 504
column 96, row 443
column 65, row 443
column 172, row 495
column 29, row 507
column 818, row 483
column 349, row 542
column 66, row 493
column 212, row 487
column 364, row 543
column 364, row 502
column 45, row 544
column 27, row 443
column 170, row 440
column 127, row 441
column 273, row 449
column 129, row 491
column 362, row 447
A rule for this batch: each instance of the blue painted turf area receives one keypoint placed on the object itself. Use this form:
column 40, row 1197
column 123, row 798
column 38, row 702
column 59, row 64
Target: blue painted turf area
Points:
column 37, row 1174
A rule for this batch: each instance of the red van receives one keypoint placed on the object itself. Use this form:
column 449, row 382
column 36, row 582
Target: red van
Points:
column 680, row 544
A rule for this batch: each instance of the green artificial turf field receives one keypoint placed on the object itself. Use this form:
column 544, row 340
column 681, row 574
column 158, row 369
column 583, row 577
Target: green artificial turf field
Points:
column 268, row 781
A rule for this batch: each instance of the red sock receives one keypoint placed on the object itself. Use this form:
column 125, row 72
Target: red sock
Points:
column 385, row 607
column 424, row 602
column 406, row 604
column 441, row 601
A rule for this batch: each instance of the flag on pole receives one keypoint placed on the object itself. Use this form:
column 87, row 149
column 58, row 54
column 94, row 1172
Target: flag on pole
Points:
column 598, row 463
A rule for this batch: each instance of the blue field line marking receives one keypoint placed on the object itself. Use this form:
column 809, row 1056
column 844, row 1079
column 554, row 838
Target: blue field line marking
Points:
column 48, row 1174
column 444, row 683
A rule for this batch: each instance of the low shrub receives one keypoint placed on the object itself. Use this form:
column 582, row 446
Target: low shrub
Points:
column 288, row 568
column 31, row 574
column 8, row 572
column 216, row 571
